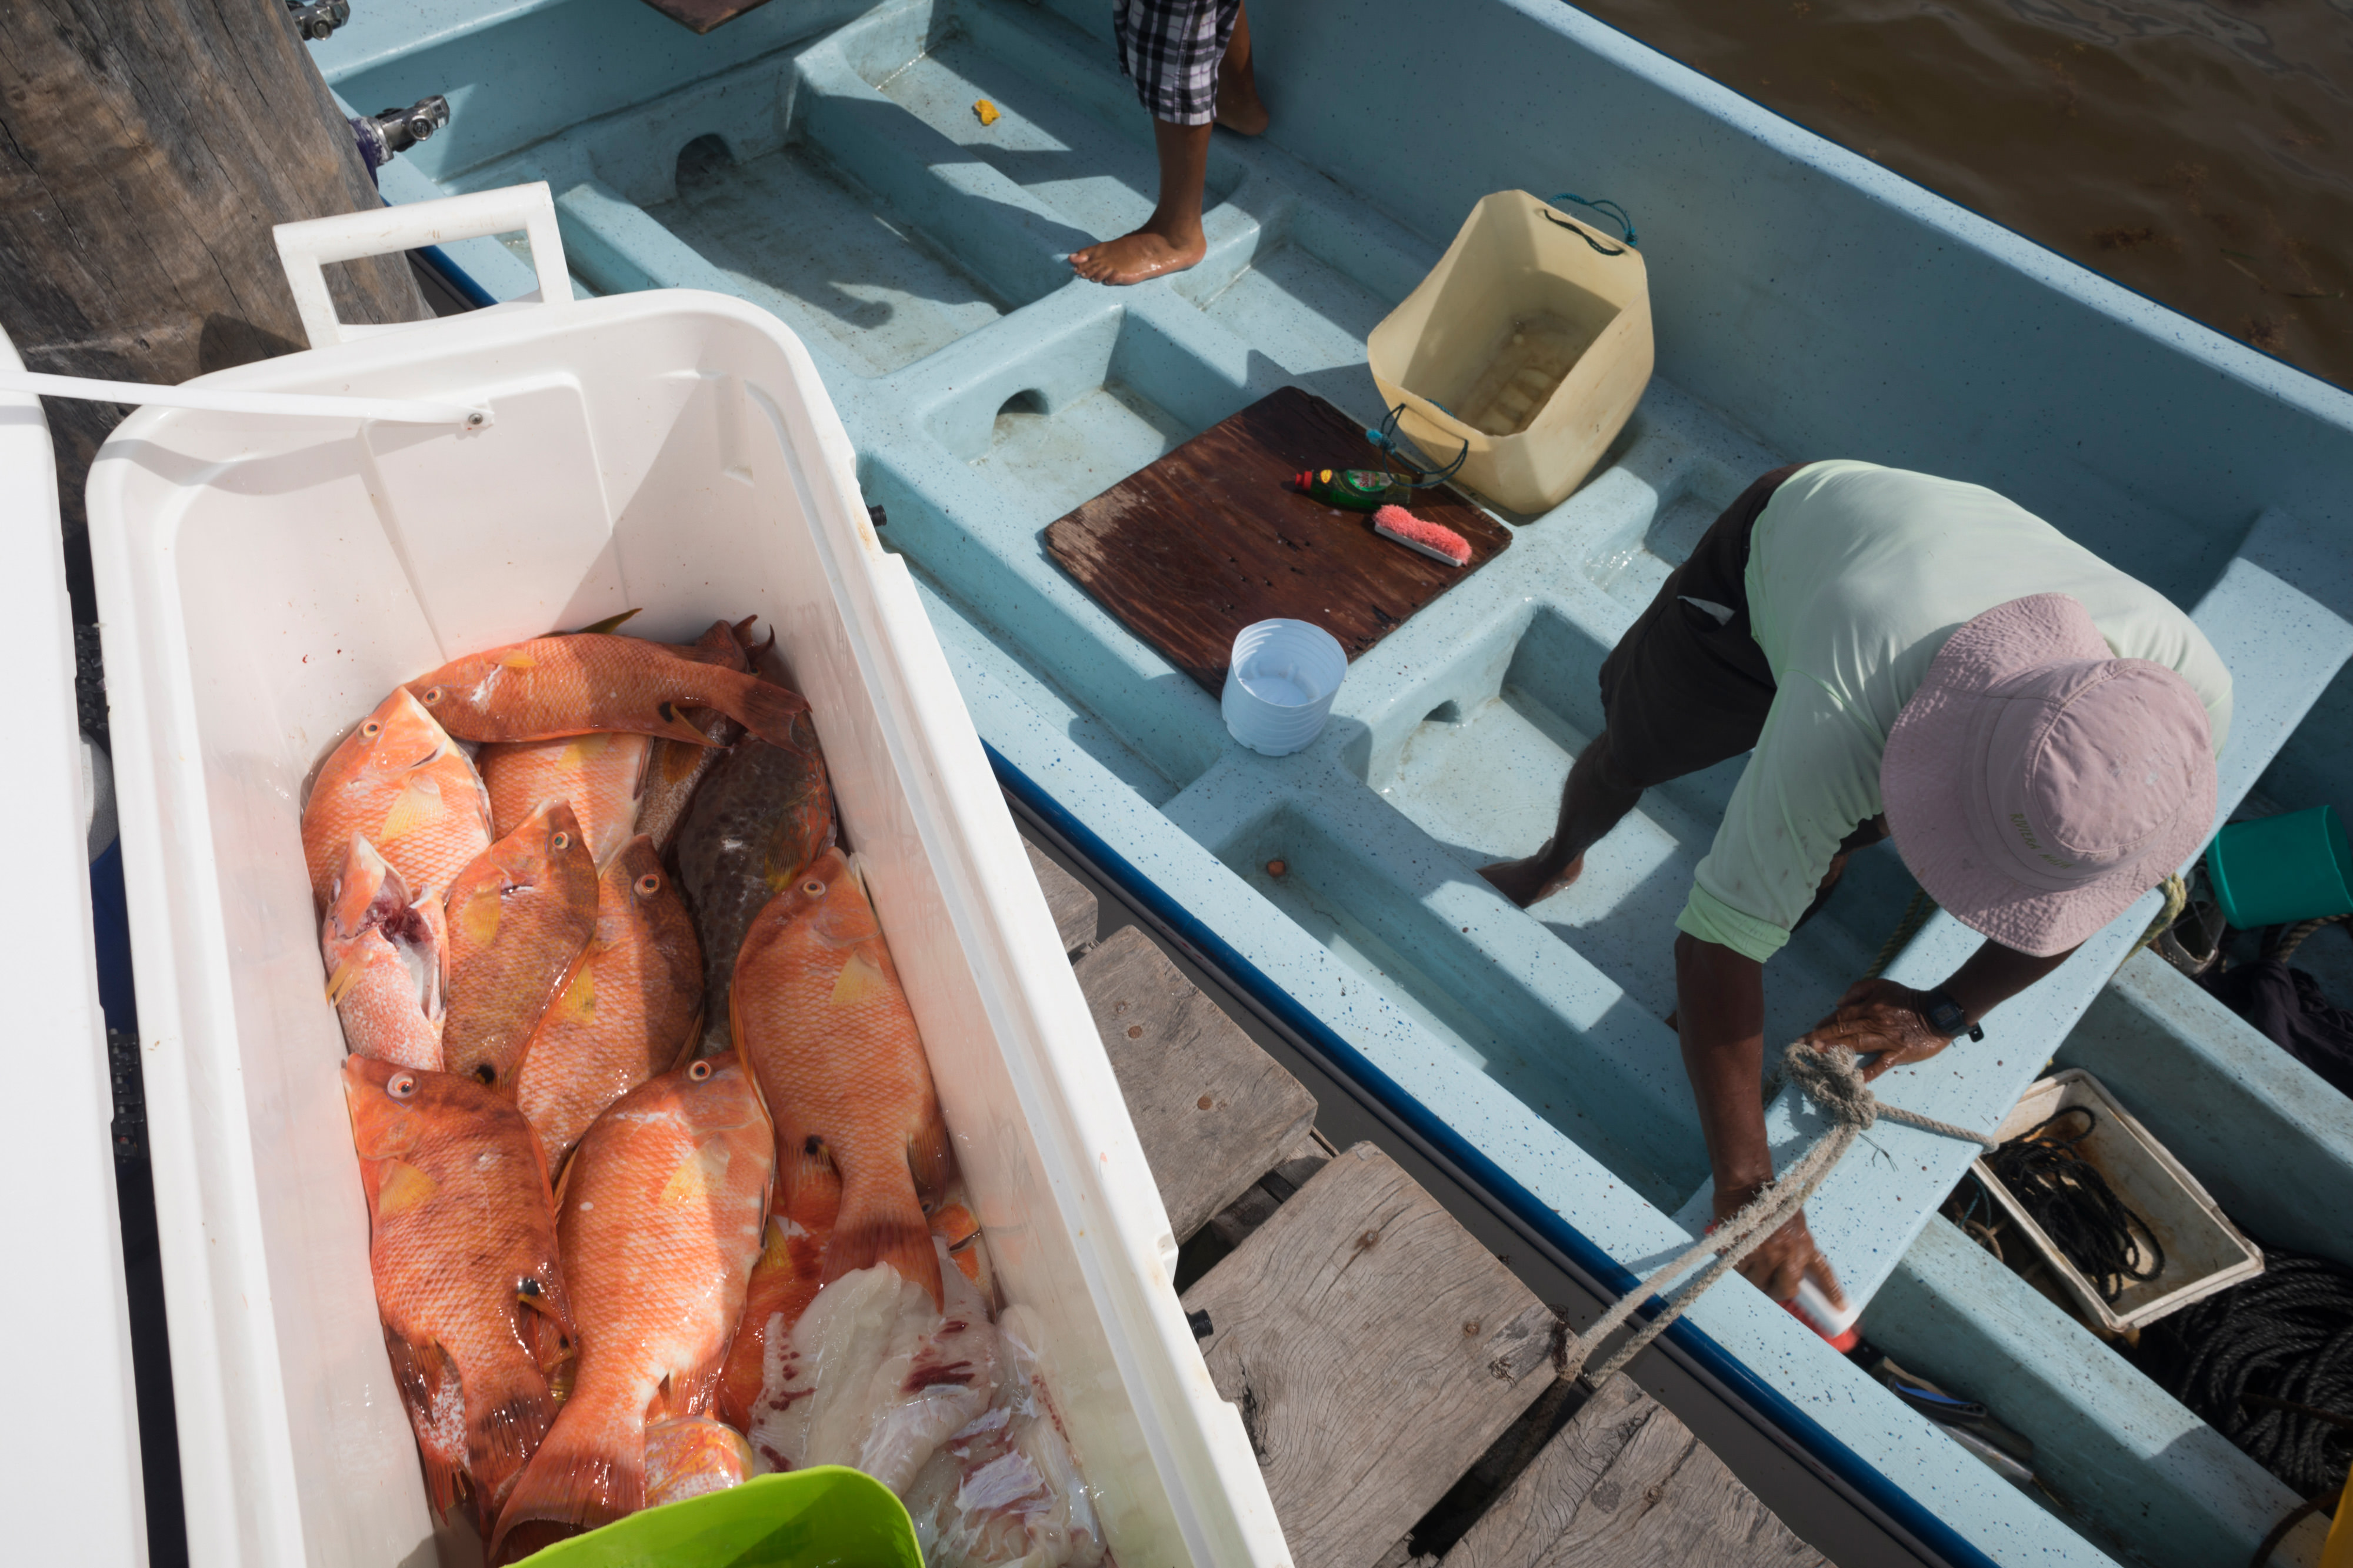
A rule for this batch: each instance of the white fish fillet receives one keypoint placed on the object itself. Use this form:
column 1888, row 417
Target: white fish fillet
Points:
column 1005, row 1491
column 873, row 1377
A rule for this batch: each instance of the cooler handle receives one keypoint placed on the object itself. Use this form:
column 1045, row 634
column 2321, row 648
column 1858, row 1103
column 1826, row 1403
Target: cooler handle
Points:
column 305, row 247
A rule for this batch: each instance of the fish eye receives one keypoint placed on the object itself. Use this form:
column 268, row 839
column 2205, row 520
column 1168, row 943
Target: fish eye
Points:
column 562, row 841
column 371, row 728
column 432, row 695
column 648, row 885
column 401, row 1086
column 486, row 1075
column 813, row 886
column 699, row 1071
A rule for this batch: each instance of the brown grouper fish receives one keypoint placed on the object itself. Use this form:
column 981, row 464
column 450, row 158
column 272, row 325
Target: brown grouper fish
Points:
column 761, row 817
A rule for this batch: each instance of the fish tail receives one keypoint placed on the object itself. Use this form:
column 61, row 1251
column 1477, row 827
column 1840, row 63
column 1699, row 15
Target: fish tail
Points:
column 763, row 708
column 880, row 1222
column 589, row 1471
column 672, row 725
column 424, row 1375
column 928, row 1160
column 504, row 1438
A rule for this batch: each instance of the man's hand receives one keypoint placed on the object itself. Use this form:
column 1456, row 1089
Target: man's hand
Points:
column 1881, row 1019
column 1788, row 1256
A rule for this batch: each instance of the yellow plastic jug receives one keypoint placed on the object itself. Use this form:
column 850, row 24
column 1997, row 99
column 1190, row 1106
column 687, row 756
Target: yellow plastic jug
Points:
column 1530, row 341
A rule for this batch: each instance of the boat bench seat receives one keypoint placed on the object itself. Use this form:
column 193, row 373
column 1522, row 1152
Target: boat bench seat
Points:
column 2281, row 615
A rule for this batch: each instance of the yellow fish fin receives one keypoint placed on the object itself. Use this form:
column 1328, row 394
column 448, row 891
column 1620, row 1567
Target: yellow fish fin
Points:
column 861, row 980
column 515, row 658
column 418, row 804
column 341, row 979
column 478, row 921
column 404, row 1188
column 699, row 1174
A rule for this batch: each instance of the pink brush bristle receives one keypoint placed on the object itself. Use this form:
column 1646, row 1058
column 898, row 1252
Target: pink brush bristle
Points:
column 1432, row 539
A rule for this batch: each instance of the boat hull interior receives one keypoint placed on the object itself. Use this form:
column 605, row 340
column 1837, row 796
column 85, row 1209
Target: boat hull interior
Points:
column 823, row 158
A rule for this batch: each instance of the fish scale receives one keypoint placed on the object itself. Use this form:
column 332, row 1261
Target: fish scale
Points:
column 460, row 1219
column 519, row 918
column 626, row 1013
column 399, row 781
column 659, row 1225
column 819, row 1015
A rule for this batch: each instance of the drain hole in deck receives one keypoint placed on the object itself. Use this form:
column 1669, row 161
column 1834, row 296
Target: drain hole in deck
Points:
column 1447, row 712
column 702, row 163
column 1021, row 405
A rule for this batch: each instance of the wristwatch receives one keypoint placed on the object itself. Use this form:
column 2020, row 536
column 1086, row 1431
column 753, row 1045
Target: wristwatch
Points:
column 1947, row 1017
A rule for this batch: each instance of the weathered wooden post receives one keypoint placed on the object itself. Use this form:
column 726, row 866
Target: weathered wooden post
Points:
column 146, row 149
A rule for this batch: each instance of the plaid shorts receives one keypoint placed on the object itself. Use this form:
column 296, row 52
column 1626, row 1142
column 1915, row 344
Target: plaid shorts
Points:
column 1171, row 49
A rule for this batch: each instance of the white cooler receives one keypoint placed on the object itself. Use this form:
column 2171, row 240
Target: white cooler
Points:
column 265, row 580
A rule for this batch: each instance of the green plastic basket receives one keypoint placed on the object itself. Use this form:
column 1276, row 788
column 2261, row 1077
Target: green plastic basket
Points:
column 816, row 1518
column 2278, row 870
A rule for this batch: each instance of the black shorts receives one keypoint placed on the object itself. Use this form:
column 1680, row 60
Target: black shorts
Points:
column 1681, row 690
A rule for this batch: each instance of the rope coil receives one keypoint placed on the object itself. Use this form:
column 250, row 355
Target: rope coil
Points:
column 1831, row 1078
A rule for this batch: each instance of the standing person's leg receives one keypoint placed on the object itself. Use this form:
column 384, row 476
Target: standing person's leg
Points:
column 1239, row 109
column 1685, row 689
column 1190, row 61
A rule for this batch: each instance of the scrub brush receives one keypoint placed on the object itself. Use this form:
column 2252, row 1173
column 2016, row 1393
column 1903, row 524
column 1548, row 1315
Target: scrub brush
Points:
column 1431, row 539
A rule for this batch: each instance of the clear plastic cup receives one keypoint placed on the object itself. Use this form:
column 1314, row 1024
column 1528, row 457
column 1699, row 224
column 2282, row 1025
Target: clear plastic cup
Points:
column 1279, row 685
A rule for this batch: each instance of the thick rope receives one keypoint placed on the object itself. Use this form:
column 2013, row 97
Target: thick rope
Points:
column 2295, row 935
column 1832, row 1079
column 2177, row 899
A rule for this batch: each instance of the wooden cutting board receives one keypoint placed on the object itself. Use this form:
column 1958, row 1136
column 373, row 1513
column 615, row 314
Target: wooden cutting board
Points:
column 705, row 15
column 1210, row 537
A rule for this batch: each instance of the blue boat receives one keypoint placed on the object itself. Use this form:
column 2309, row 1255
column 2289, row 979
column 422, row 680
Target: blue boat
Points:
column 822, row 158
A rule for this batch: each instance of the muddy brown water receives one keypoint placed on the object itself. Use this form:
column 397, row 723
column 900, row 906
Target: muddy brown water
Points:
column 2198, row 151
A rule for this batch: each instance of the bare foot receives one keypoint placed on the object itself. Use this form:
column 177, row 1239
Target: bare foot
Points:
column 1133, row 257
column 1530, row 882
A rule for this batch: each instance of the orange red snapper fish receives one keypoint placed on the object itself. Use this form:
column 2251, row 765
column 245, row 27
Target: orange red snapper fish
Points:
column 384, row 963
column 628, row 1011
column 764, row 814
column 675, row 766
column 597, row 775
column 555, row 685
column 819, row 1016
column 786, row 1279
column 399, row 780
column 660, row 1223
column 519, row 918
column 462, row 1241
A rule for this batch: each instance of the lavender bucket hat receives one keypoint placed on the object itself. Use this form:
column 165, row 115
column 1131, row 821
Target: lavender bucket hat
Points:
column 2037, row 784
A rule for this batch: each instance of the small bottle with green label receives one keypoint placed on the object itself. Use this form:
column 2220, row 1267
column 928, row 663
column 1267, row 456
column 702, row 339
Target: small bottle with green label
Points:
column 1357, row 490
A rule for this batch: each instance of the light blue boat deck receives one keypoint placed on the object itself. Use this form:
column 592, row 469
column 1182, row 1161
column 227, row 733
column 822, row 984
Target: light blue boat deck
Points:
column 822, row 158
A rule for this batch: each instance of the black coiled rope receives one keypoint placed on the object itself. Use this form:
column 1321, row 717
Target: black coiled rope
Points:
column 2065, row 1194
column 2245, row 1359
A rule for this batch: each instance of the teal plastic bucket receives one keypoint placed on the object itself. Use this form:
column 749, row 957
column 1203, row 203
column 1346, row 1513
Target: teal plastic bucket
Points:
column 2278, row 870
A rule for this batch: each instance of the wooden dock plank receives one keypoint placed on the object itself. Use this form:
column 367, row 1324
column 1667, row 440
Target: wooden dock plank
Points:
column 1375, row 1348
column 1072, row 906
column 1213, row 1111
column 1626, row 1484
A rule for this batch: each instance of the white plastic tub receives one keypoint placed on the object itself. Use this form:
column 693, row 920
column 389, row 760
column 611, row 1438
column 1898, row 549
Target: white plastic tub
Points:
column 2204, row 1252
column 264, row 583
column 69, row 1460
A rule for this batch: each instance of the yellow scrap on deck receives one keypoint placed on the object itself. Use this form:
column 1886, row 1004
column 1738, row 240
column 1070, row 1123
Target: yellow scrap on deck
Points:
column 985, row 110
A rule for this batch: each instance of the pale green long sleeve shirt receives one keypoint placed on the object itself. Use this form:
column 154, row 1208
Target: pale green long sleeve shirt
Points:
column 1857, row 574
